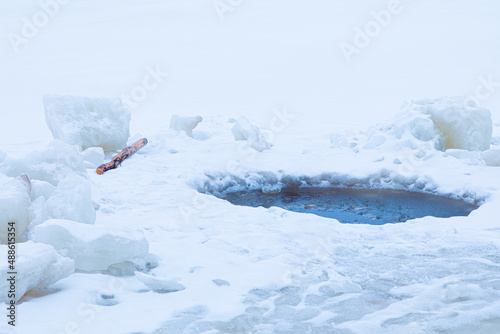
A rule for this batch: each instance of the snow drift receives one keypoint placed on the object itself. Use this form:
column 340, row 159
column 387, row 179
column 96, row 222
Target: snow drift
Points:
column 426, row 125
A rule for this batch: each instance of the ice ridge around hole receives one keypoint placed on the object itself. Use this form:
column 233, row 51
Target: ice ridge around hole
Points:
column 361, row 202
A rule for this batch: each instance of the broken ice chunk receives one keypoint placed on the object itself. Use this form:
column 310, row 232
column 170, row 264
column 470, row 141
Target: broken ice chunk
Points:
column 37, row 214
column 426, row 125
column 41, row 189
column 186, row 124
column 221, row 282
column 244, row 130
column 472, row 157
column 15, row 200
column 93, row 156
column 88, row 122
column 463, row 123
column 126, row 268
column 50, row 165
column 37, row 266
column 93, row 247
column 72, row 200
column 159, row 284
column 456, row 292
column 491, row 157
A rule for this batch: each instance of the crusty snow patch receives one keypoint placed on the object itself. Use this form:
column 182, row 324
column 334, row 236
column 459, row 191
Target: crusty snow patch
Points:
column 93, row 247
column 88, row 122
column 37, row 266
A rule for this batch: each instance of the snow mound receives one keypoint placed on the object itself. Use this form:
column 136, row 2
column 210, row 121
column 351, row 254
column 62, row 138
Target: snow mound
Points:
column 72, row 200
column 424, row 126
column 244, row 130
column 463, row 123
column 93, row 247
column 88, row 122
column 15, row 200
column 186, row 124
column 37, row 266
column 51, row 165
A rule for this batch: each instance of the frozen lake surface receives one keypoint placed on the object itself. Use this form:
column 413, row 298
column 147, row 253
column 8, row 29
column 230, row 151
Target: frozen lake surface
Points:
column 240, row 95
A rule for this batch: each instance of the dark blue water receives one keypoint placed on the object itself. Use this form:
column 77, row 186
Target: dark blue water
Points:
column 356, row 206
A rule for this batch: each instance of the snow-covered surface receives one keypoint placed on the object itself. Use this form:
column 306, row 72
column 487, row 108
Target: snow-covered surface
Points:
column 239, row 269
column 217, row 268
column 88, row 122
column 37, row 266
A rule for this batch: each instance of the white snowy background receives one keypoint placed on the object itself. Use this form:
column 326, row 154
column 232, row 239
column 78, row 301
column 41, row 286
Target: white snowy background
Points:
column 185, row 262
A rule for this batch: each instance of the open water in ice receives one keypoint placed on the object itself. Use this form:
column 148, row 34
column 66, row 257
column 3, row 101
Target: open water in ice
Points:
column 355, row 206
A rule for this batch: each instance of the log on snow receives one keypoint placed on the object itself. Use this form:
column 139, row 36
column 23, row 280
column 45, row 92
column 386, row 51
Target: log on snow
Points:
column 124, row 154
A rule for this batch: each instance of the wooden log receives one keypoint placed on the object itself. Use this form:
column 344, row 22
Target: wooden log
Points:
column 124, row 154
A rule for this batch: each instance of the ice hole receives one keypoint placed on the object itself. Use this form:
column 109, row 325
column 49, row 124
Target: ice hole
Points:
column 354, row 206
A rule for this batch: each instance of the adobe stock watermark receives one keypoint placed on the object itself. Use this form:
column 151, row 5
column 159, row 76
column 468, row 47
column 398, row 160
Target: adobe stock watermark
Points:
column 223, row 7
column 486, row 88
column 371, row 30
column 153, row 78
column 31, row 26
